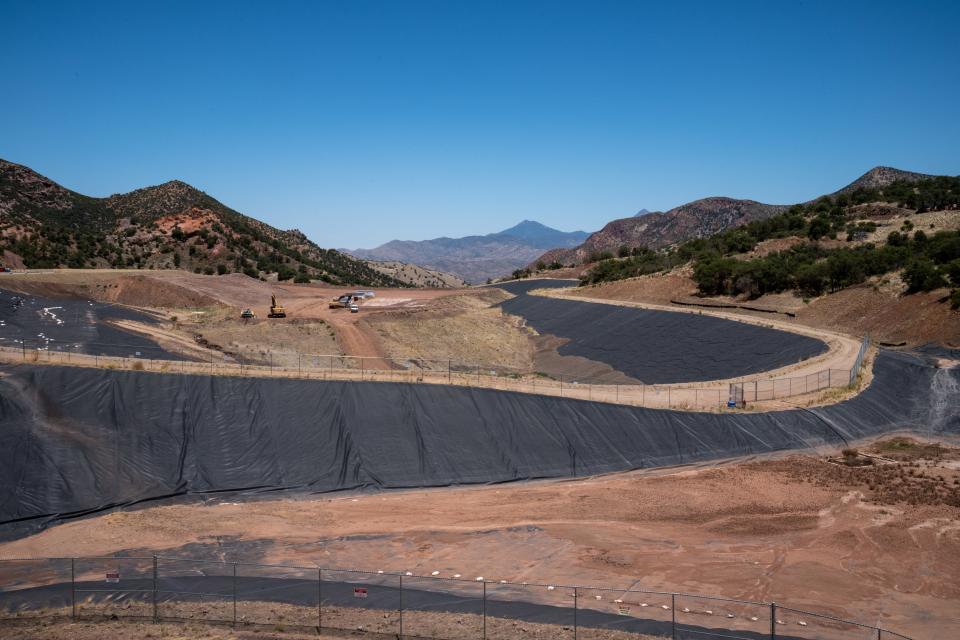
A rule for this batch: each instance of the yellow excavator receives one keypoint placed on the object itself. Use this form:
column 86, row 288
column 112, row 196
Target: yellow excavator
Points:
column 276, row 311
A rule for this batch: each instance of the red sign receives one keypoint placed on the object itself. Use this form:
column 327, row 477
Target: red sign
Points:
column 359, row 592
column 113, row 576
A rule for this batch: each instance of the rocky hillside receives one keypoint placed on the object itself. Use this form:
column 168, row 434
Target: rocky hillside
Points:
column 169, row 226
column 880, row 177
column 477, row 258
column 416, row 276
column 697, row 219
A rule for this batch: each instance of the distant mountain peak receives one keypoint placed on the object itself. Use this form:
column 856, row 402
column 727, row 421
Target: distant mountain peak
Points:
column 476, row 258
column 881, row 176
column 700, row 219
column 527, row 224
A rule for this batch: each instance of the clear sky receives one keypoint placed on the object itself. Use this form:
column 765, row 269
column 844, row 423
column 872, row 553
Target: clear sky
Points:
column 359, row 122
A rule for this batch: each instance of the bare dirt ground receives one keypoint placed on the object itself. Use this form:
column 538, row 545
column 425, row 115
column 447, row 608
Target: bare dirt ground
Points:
column 464, row 329
column 218, row 300
column 876, row 540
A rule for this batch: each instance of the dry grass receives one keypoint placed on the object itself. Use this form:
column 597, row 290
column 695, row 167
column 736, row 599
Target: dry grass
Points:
column 438, row 333
column 898, row 471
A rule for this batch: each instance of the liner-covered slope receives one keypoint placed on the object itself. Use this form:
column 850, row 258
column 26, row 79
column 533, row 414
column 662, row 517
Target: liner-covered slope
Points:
column 74, row 440
column 657, row 347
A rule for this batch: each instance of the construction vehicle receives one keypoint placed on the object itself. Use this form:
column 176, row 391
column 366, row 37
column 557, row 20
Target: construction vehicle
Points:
column 276, row 311
column 247, row 314
column 340, row 302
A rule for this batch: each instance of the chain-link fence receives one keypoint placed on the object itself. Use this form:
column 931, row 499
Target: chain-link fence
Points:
column 784, row 387
column 159, row 588
column 293, row 364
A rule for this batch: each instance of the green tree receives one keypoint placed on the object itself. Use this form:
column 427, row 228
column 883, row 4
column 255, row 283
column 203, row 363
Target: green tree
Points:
column 922, row 275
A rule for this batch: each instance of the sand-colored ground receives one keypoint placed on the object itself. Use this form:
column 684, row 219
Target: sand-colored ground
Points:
column 191, row 296
column 877, row 543
column 461, row 329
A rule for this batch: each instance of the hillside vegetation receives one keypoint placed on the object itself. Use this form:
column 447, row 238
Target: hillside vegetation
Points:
column 832, row 254
column 170, row 226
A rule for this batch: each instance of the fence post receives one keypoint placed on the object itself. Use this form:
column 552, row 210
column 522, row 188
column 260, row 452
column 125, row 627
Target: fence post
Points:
column 271, row 363
column 73, row 589
column 773, row 620
column 401, row 606
column 320, row 598
column 234, row 594
column 561, row 385
column 673, row 616
column 361, row 368
column 484, row 610
column 575, row 598
column 299, row 372
column 156, row 613
column 448, row 371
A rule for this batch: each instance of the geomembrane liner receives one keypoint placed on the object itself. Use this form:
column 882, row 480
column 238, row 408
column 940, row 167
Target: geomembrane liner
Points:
column 74, row 440
column 657, row 347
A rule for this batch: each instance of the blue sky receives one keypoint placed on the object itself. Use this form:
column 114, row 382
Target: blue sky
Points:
column 359, row 122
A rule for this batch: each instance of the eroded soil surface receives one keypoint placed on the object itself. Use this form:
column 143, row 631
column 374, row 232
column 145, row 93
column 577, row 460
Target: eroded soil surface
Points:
column 873, row 537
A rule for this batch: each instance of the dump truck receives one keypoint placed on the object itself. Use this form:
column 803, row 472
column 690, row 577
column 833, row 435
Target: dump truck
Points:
column 276, row 311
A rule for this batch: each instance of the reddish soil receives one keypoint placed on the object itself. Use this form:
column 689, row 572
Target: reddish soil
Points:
column 877, row 543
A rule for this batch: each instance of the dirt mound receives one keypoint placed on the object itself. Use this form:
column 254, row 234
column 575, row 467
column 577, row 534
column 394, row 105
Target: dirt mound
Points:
column 144, row 291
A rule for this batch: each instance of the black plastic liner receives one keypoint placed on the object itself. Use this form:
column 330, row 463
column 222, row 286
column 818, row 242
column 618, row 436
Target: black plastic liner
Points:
column 32, row 322
column 76, row 440
column 658, row 347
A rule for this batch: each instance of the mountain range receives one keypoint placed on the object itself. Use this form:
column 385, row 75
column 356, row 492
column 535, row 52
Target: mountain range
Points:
column 477, row 258
column 697, row 219
column 168, row 226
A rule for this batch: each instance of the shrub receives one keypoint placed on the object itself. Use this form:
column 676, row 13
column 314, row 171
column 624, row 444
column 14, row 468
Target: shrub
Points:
column 922, row 275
